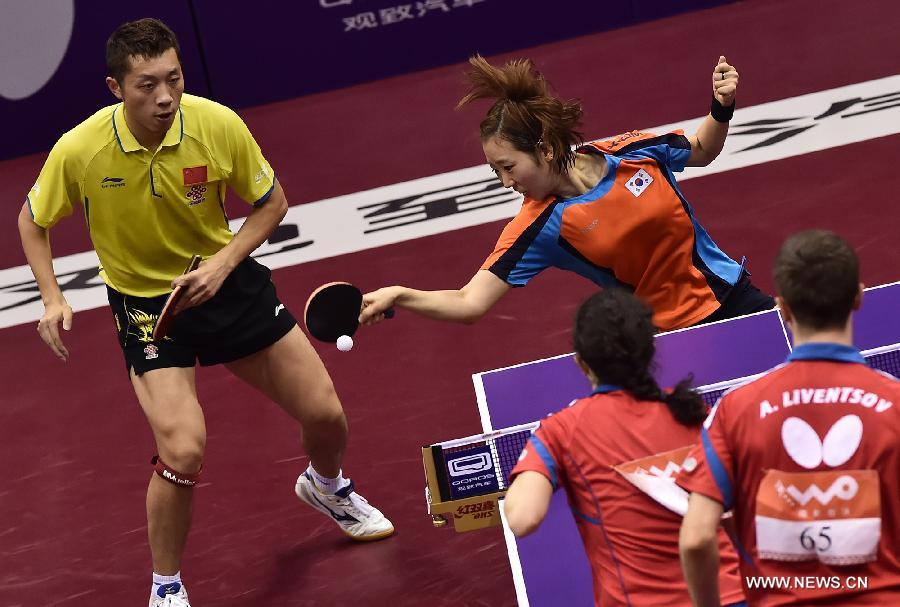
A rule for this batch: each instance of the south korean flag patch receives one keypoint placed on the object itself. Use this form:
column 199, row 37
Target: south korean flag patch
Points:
column 637, row 184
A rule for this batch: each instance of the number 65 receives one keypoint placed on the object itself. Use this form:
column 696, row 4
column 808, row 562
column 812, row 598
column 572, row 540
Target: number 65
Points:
column 809, row 542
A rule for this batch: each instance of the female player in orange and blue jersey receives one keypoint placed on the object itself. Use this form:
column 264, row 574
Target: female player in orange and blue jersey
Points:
column 610, row 211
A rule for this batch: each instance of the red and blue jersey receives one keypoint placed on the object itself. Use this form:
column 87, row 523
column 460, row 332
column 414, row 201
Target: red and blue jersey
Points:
column 634, row 229
column 630, row 539
column 808, row 456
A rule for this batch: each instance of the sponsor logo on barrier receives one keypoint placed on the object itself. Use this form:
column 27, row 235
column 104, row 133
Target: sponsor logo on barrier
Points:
column 479, row 510
column 469, row 464
column 472, row 472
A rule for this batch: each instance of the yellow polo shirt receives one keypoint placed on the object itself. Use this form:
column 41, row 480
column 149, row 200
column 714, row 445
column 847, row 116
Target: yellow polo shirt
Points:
column 149, row 212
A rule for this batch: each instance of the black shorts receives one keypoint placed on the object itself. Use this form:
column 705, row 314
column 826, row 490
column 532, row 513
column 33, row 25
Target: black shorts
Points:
column 743, row 298
column 244, row 317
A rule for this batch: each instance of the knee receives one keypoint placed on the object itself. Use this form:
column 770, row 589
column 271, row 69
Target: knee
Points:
column 185, row 454
column 182, row 444
column 324, row 408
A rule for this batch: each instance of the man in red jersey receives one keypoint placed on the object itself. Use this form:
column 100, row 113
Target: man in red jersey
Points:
column 807, row 455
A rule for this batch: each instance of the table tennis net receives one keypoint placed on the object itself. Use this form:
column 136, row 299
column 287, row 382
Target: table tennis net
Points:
column 885, row 358
column 506, row 444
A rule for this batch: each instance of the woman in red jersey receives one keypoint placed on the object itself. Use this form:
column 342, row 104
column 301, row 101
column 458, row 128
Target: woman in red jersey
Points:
column 599, row 450
column 610, row 211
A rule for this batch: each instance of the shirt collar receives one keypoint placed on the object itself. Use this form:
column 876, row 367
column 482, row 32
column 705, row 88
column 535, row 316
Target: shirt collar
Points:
column 826, row 351
column 605, row 388
column 127, row 141
column 176, row 132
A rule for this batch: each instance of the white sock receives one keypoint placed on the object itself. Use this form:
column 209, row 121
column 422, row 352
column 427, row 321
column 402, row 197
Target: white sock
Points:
column 162, row 580
column 328, row 485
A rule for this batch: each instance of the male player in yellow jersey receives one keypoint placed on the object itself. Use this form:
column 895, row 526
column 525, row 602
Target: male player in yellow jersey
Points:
column 150, row 173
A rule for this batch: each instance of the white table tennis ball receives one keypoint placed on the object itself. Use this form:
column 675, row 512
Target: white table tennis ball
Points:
column 344, row 343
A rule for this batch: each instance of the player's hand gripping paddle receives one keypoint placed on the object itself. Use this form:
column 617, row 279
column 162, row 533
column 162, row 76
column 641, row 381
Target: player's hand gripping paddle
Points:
column 333, row 310
column 167, row 316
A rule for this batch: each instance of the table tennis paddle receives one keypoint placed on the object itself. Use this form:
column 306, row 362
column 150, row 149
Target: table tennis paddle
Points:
column 167, row 316
column 333, row 310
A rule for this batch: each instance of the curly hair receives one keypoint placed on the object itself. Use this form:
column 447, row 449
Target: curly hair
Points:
column 614, row 337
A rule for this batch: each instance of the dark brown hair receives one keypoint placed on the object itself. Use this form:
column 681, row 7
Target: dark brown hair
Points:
column 817, row 274
column 614, row 337
column 525, row 113
column 145, row 38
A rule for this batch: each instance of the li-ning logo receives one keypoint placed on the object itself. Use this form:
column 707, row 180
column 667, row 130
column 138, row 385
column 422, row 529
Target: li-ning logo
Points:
column 112, row 182
column 196, row 194
column 470, row 464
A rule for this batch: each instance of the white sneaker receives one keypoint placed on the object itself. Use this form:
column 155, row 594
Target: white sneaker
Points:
column 349, row 509
column 170, row 595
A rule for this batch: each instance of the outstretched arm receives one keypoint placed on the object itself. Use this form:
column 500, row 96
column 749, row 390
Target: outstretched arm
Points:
column 709, row 139
column 465, row 305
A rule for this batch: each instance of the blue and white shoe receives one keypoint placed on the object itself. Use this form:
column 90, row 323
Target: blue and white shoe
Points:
column 170, row 595
column 347, row 508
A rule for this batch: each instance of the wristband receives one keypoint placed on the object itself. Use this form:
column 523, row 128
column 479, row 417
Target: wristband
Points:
column 719, row 112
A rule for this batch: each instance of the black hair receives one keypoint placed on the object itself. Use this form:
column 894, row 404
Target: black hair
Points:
column 147, row 38
column 614, row 336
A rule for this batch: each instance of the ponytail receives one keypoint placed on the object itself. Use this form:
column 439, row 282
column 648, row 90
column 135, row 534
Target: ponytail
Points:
column 614, row 337
column 525, row 113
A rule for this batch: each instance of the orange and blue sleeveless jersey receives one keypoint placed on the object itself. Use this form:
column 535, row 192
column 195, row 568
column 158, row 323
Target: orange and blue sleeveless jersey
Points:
column 630, row 539
column 634, row 229
column 808, row 455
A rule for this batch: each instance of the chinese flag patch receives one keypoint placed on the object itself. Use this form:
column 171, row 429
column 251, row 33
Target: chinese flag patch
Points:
column 194, row 175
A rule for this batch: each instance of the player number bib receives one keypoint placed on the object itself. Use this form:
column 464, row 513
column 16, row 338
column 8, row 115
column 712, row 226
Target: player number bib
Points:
column 832, row 516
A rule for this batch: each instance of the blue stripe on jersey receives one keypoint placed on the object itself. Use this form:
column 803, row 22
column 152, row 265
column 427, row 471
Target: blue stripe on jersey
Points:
column 606, row 389
column 265, row 196
column 723, row 482
column 584, row 517
column 510, row 267
column 545, row 456
column 827, row 351
column 671, row 150
column 706, row 251
column 567, row 257
column 116, row 130
column 578, row 263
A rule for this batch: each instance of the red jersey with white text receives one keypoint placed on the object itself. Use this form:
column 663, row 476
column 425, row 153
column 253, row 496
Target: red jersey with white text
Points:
column 808, row 456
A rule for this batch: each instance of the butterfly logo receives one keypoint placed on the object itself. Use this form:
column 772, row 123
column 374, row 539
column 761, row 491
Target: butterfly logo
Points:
column 805, row 447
